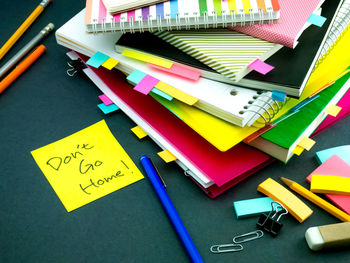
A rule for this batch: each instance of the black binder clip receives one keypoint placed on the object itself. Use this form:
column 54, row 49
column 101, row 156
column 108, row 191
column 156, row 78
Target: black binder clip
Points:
column 270, row 223
column 75, row 65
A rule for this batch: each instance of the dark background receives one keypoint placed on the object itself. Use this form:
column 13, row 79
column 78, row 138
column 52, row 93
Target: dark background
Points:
column 129, row 225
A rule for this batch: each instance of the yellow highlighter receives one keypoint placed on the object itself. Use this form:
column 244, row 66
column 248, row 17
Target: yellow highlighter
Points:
column 19, row 32
column 317, row 200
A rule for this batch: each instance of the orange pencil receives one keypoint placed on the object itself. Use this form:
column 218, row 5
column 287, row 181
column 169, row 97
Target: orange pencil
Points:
column 19, row 32
column 25, row 63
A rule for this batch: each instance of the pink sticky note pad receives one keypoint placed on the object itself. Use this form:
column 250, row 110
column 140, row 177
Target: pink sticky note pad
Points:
column 260, row 66
column 146, row 84
column 106, row 101
column 179, row 70
column 337, row 167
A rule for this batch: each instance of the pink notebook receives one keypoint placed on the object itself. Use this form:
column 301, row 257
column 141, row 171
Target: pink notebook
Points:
column 335, row 166
column 293, row 17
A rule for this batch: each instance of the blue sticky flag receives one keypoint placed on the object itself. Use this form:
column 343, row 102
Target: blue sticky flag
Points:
column 279, row 95
column 162, row 94
column 107, row 109
column 136, row 76
column 252, row 207
column 317, row 20
column 97, row 60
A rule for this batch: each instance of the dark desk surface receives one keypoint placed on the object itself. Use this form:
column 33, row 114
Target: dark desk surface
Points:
column 129, row 225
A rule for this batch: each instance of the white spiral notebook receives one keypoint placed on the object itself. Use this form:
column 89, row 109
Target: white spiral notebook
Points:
column 237, row 105
column 181, row 14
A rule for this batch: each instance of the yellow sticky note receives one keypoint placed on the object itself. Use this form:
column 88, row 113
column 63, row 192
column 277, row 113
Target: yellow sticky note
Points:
column 293, row 204
column 306, row 143
column 139, row 132
column 167, row 156
column 86, row 165
column 329, row 184
column 298, row 150
column 110, row 63
column 147, row 58
column 333, row 110
column 177, row 94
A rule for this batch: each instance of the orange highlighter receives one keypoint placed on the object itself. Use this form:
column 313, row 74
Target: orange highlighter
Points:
column 25, row 63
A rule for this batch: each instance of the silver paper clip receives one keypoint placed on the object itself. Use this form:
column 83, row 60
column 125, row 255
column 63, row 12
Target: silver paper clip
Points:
column 224, row 248
column 248, row 237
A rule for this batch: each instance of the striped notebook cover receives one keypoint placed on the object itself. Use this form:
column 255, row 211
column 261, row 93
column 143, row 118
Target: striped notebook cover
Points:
column 227, row 52
column 178, row 14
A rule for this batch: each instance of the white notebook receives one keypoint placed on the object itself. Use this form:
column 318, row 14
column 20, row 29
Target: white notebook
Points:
column 117, row 6
column 237, row 105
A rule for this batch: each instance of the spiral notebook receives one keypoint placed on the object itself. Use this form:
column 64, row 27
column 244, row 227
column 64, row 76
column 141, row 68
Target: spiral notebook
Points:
column 181, row 14
column 118, row 6
column 234, row 104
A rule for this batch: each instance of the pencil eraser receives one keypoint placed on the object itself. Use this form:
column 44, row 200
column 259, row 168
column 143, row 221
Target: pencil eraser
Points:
column 328, row 236
column 252, row 207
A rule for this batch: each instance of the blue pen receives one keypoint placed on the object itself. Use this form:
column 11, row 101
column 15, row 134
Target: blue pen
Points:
column 303, row 103
column 170, row 209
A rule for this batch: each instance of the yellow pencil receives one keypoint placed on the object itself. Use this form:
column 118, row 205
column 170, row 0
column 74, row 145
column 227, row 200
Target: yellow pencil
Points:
column 19, row 32
column 317, row 200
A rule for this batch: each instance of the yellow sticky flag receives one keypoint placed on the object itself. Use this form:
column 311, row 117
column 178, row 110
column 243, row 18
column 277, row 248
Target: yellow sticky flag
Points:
column 306, row 143
column 333, row 110
column 139, row 132
column 110, row 63
column 177, row 94
column 147, row 58
column 86, row 165
column 167, row 156
column 298, row 150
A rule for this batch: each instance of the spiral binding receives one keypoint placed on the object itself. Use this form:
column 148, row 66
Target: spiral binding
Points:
column 339, row 27
column 187, row 22
column 269, row 112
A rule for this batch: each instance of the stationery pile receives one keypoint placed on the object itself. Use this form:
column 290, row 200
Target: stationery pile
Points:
column 224, row 87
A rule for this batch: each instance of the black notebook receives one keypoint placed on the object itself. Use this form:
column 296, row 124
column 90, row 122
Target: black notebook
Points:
column 292, row 66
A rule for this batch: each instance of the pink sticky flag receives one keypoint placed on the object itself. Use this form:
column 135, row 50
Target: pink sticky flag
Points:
column 260, row 66
column 106, row 101
column 179, row 70
column 146, row 84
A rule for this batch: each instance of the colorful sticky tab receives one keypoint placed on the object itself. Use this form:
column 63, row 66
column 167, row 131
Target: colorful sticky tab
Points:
column 107, row 109
column 330, row 184
column 342, row 151
column 136, row 76
column 139, row 132
column 162, row 94
column 298, row 150
column 106, row 101
column 97, row 60
column 306, row 143
column 86, row 166
column 293, row 204
column 110, row 63
column 259, row 132
column 279, row 95
column 146, row 58
column 167, row 156
column 146, row 84
column 333, row 110
column 317, row 20
column 178, row 94
column 260, row 66
column 252, row 207
column 179, row 70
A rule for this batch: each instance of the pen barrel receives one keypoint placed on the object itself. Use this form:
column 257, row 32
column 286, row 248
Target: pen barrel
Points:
column 21, row 67
column 30, row 45
column 170, row 209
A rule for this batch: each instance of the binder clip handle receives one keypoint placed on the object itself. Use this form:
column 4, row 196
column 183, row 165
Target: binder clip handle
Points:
column 75, row 65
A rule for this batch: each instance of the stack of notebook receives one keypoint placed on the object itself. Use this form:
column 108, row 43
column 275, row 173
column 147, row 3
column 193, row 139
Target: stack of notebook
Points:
column 217, row 84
